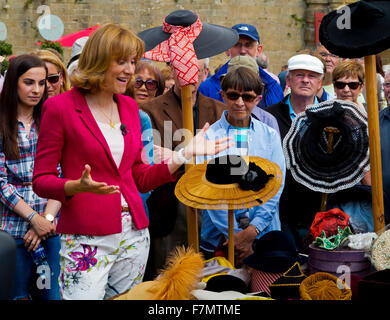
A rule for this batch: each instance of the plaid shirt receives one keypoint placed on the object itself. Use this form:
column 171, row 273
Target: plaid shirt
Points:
column 15, row 183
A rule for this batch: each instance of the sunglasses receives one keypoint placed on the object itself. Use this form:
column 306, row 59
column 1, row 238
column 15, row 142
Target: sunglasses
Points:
column 351, row 85
column 246, row 97
column 54, row 78
column 149, row 84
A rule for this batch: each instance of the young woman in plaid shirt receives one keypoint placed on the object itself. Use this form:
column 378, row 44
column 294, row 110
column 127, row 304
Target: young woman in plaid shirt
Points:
column 24, row 215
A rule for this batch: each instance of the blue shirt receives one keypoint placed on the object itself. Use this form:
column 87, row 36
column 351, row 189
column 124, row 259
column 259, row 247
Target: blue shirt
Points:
column 147, row 141
column 291, row 111
column 264, row 142
column 273, row 93
column 266, row 117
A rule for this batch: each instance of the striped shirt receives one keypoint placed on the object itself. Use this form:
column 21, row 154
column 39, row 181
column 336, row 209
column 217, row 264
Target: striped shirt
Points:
column 16, row 183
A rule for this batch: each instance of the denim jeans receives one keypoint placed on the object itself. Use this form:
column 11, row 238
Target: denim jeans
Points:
column 25, row 268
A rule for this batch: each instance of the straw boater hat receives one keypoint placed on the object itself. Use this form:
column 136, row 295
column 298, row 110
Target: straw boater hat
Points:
column 229, row 182
column 363, row 32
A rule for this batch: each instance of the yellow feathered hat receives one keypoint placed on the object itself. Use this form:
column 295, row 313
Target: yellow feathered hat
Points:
column 175, row 282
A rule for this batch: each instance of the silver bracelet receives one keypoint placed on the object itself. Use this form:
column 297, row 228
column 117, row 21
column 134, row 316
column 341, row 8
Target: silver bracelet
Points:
column 181, row 157
column 31, row 216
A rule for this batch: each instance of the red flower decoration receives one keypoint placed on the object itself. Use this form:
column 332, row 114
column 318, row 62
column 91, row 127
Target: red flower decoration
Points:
column 329, row 221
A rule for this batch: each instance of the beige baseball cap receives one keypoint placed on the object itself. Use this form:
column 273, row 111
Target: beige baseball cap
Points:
column 242, row 61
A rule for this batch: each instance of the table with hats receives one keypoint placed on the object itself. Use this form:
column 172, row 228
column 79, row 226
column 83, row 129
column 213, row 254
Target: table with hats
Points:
column 329, row 148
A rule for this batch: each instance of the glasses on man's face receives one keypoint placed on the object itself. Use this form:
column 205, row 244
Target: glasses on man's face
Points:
column 325, row 55
column 386, row 85
column 246, row 97
column 54, row 78
column 352, row 85
column 150, row 84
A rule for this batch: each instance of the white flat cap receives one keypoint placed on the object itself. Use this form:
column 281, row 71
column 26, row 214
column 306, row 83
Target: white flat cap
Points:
column 305, row 62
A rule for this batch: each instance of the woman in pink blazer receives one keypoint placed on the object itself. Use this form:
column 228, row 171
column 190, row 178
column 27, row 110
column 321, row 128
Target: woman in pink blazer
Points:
column 93, row 132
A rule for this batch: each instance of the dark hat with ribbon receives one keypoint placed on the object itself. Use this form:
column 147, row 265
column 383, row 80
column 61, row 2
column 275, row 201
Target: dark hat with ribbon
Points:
column 356, row 30
column 326, row 148
column 274, row 252
column 212, row 40
column 287, row 286
column 182, row 40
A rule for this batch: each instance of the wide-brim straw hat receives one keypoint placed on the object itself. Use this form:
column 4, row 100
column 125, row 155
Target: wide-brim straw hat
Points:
column 305, row 146
column 194, row 190
column 360, row 29
column 212, row 40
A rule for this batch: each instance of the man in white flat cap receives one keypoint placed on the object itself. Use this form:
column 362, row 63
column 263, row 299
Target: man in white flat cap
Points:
column 298, row 204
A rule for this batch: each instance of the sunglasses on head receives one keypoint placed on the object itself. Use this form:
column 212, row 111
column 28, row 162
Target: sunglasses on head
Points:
column 351, row 85
column 54, row 78
column 246, row 97
column 149, row 84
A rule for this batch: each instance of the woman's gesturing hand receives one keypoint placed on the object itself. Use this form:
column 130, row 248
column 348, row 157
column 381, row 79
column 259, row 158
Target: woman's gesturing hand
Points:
column 87, row 184
column 200, row 146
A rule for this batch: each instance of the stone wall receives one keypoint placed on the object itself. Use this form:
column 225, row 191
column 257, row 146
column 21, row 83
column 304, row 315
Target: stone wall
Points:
column 278, row 21
column 285, row 26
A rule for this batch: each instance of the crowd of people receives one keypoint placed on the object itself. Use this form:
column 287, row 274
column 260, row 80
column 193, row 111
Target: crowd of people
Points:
column 90, row 154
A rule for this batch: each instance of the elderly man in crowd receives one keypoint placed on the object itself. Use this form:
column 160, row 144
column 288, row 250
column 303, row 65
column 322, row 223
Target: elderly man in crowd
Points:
column 248, row 44
column 298, row 204
column 384, row 126
column 330, row 60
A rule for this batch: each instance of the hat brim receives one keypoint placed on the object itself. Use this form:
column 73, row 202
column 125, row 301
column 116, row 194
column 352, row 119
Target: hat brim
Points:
column 212, row 40
column 362, row 39
column 317, row 170
column 195, row 191
column 275, row 264
column 306, row 67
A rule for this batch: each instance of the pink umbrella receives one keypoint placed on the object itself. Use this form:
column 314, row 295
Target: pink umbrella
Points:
column 69, row 39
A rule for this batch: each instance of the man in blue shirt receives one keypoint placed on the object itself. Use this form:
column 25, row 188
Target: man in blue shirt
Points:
column 253, row 138
column 248, row 44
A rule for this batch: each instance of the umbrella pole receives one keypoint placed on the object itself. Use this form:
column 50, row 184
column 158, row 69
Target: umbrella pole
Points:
column 188, row 124
column 331, row 131
column 231, row 236
column 374, row 140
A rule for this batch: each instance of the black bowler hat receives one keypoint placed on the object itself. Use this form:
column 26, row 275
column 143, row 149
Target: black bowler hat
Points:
column 212, row 40
column 274, row 252
column 369, row 31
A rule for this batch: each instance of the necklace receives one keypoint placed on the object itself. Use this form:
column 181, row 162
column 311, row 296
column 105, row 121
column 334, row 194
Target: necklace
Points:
column 112, row 125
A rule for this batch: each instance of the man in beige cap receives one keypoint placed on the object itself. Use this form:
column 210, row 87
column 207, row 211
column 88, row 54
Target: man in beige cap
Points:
column 298, row 204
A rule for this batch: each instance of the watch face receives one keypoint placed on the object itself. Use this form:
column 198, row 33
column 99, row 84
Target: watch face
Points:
column 49, row 217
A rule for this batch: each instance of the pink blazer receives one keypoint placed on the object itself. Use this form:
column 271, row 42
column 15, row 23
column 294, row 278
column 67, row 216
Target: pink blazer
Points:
column 69, row 135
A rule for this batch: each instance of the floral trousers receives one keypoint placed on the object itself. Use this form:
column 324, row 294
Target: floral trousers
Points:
column 100, row 267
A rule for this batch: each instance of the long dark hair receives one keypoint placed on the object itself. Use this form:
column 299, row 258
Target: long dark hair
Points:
column 9, row 102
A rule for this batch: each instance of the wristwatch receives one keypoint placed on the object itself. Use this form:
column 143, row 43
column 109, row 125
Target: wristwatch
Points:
column 49, row 217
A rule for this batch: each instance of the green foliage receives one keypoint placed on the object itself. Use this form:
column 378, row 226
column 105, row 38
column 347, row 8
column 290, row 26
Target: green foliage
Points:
column 5, row 48
column 53, row 45
column 4, row 66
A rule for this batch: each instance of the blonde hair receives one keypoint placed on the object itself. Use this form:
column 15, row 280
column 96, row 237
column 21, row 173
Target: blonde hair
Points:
column 108, row 43
column 348, row 68
column 49, row 56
